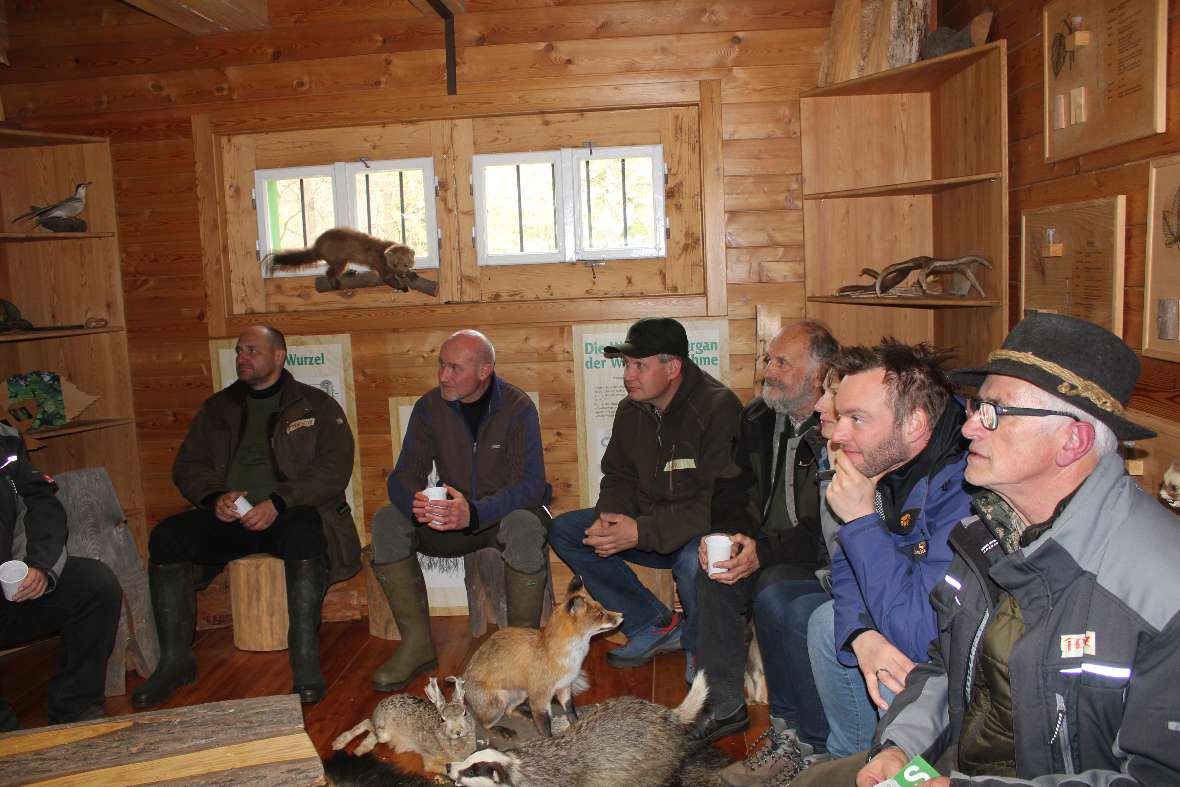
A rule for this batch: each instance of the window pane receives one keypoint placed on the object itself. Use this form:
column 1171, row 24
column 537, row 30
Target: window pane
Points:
column 618, row 207
column 394, row 206
column 519, row 207
column 299, row 215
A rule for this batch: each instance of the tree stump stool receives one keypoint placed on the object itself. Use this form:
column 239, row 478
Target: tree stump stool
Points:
column 258, row 601
column 487, row 601
column 381, row 622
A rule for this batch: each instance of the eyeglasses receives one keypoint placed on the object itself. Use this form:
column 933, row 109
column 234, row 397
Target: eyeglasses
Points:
column 990, row 412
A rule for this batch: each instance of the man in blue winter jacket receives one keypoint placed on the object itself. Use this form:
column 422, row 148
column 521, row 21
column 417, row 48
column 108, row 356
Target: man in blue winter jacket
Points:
column 898, row 488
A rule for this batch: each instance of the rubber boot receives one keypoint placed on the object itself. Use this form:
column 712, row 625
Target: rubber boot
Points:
column 307, row 581
column 406, row 591
column 174, row 605
column 526, row 596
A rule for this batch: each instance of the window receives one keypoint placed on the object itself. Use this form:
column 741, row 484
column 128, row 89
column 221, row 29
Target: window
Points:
column 389, row 199
column 571, row 204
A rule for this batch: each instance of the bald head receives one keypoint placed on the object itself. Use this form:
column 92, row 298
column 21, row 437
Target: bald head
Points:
column 466, row 361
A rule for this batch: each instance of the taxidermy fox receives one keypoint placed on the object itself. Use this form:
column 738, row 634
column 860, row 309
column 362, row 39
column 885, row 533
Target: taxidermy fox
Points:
column 342, row 245
column 518, row 664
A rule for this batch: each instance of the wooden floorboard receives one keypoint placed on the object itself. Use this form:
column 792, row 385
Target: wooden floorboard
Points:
column 348, row 656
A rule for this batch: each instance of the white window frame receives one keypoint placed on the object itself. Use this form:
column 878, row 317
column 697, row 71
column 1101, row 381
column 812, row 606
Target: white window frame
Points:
column 575, row 157
column 568, row 204
column 344, row 204
column 561, row 209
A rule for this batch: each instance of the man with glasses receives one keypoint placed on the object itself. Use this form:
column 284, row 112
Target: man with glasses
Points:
column 898, row 488
column 772, row 513
column 1058, row 649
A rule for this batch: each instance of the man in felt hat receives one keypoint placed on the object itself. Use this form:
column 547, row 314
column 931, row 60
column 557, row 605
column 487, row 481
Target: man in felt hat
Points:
column 672, row 438
column 1059, row 618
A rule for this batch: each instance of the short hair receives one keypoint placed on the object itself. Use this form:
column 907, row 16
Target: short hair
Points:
column 1105, row 441
column 915, row 374
column 276, row 337
column 486, row 353
column 821, row 345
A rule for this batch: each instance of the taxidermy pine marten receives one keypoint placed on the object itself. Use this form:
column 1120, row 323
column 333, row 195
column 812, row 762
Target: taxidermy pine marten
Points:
column 342, row 245
column 518, row 664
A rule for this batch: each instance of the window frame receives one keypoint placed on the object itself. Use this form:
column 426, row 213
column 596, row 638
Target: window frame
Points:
column 344, row 204
column 575, row 157
column 479, row 164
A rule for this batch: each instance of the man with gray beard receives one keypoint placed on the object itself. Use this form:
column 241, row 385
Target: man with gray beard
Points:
column 771, row 511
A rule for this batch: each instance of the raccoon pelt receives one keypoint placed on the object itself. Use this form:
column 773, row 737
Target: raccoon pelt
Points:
column 345, row 770
column 702, row 768
column 340, row 246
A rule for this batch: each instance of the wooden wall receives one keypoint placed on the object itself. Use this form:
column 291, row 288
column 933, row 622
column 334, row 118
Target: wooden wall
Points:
column 105, row 68
column 1102, row 173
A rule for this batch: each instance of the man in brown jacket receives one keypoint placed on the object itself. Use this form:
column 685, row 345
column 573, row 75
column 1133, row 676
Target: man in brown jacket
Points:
column 266, row 462
column 672, row 438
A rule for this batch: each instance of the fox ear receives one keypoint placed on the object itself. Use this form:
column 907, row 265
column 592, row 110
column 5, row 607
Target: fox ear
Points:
column 575, row 585
column 574, row 603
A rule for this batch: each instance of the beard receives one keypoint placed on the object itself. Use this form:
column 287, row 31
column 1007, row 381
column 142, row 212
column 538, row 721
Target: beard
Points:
column 889, row 453
column 786, row 401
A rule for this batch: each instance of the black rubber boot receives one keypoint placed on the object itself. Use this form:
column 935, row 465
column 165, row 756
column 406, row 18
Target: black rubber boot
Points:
column 526, row 596
column 307, row 581
column 174, row 606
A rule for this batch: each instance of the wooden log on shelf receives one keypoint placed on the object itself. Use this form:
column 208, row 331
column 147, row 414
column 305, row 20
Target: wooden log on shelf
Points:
column 359, row 280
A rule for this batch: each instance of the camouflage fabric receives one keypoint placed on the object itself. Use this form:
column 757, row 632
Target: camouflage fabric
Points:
column 1004, row 523
column 45, row 389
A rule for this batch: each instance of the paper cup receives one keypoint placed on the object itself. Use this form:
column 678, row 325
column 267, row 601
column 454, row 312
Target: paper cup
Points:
column 718, row 546
column 242, row 505
column 435, row 493
column 12, row 574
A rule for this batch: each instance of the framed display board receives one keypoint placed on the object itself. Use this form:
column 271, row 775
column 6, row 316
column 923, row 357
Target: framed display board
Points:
column 1071, row 260
column 1104, row 77
column 598, row 385
column 321, row 361
column 1161, row 281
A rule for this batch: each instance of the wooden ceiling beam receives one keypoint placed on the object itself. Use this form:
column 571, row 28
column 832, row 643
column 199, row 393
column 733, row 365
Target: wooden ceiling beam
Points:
column 201, row 17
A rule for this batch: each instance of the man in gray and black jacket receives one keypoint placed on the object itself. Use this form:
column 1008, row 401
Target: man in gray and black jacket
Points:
column 1059, row 618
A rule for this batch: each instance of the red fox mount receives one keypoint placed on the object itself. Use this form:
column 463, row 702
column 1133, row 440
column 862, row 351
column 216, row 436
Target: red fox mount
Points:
column 518, row 664
column 340, row 246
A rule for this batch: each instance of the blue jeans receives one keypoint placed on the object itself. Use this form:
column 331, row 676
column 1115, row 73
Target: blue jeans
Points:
column 852, row 716
column 614, row 585
column 781, row 614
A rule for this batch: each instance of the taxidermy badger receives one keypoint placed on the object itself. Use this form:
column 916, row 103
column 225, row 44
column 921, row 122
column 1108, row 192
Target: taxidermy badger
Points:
column 625, row 740
column 342, row 245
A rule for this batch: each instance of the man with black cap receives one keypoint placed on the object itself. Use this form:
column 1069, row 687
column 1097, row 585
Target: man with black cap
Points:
column 672, row 437
column 1059, row 618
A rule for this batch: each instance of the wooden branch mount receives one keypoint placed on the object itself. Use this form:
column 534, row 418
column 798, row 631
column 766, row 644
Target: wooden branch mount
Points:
column 359, row 280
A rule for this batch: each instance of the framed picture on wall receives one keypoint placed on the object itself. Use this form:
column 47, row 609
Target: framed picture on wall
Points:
column 1161, row 279
column 1104, row 73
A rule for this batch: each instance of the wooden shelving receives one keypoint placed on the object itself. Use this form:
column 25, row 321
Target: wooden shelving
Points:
column 56, row 282
column 906, row 163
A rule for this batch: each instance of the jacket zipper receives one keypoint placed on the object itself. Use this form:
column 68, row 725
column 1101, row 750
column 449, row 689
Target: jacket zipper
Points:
column 1061, row 731
column 970, row 681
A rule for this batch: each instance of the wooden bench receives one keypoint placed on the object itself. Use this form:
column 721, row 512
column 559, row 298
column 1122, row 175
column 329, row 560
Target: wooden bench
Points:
column 259, row 741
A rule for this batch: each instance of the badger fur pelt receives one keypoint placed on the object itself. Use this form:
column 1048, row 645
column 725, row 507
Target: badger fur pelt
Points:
column 625, row 740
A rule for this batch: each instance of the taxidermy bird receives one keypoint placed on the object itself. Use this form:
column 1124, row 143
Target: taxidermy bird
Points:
column 340, row 246
column 1170, row 488
column 65, row 209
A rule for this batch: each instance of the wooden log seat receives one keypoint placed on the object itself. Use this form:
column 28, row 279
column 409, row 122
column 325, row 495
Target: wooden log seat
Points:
column 258, row 741
column 487, row 600
column 258, row 601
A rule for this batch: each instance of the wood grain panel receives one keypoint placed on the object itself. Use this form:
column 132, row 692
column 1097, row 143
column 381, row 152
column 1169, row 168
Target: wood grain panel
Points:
column 763, row 192
column 771, row 119
column 764, row 228
column 567, row 130
column 761, row 157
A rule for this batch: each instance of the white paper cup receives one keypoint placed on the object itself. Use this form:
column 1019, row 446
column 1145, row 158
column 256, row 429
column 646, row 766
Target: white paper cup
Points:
column 435, row 493
column 718, row 546
column 242, row 505
column 12, row 574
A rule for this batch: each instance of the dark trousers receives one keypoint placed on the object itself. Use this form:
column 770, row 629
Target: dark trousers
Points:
column 781, row 613
column 84, row 608
column 723, row 612
column 197, row 536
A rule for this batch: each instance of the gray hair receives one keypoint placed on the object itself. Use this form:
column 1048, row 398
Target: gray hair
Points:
column 486, row 353
column 821, row 345
column 1104, row 440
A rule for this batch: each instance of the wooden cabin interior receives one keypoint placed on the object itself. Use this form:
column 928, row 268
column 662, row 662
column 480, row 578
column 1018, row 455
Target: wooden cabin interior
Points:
column 776, row 191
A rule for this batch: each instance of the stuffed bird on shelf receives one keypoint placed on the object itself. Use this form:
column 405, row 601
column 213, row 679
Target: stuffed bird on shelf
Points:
column 58, row 216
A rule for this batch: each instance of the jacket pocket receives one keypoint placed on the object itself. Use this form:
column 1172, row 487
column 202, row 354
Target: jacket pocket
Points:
column 1088, row 700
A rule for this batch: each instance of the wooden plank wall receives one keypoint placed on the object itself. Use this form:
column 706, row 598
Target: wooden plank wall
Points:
column 1103, row 173
column 105, row 68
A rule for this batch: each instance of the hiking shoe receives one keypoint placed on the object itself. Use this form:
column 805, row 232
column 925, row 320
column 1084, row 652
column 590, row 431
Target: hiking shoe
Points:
column 709, row 729
column 647, row 644
column 780, row 759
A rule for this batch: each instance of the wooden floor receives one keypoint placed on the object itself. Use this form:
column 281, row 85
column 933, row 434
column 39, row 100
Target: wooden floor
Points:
column 349, row 656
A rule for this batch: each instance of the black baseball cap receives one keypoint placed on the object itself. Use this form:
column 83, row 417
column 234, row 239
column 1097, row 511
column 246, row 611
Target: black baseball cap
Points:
column 651, row 336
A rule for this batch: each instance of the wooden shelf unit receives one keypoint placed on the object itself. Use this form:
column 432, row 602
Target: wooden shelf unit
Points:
column 904, row 163
column 57, row 283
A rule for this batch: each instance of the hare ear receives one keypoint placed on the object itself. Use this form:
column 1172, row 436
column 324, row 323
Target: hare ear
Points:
column 457, row 697
column 434, row 694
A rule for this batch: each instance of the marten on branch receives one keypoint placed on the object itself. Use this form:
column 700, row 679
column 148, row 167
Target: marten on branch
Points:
column 342, row 245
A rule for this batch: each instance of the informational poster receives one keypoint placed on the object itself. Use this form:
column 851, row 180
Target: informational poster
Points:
column 321, row 361
column 445, row 577
column 598, row 385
